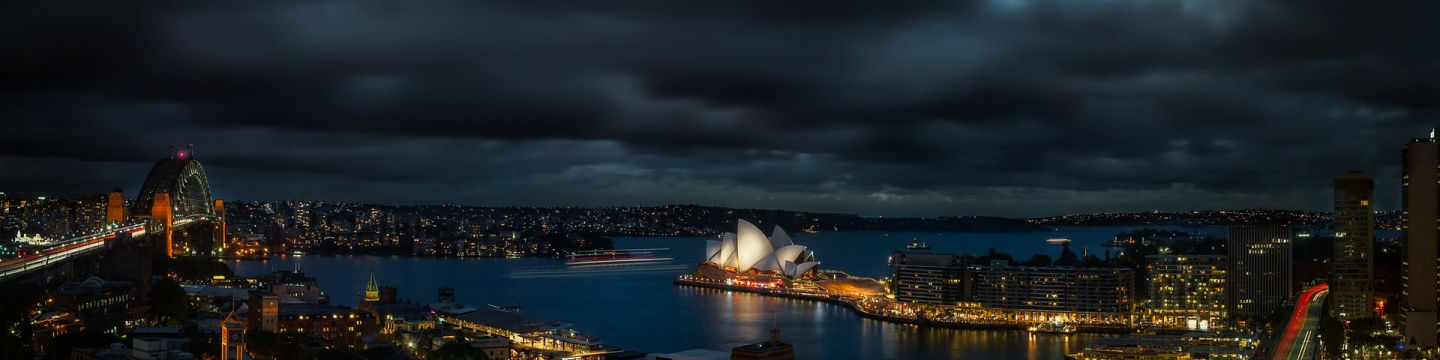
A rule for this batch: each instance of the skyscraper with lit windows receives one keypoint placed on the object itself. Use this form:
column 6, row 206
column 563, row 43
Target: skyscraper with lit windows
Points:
column 1354, row 246
column 1260, row 268
column 1186, row 291
column 1420, row 187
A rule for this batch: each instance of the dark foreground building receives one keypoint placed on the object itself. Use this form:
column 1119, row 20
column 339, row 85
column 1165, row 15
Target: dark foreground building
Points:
column 769, row 350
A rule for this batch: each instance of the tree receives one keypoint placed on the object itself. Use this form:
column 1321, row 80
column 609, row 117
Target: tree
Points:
column 204, row 347
column 169, row 302
column 15, row 308
column 1039, row 260
column 457, row 351
column 268, row 345
column 1067, row 257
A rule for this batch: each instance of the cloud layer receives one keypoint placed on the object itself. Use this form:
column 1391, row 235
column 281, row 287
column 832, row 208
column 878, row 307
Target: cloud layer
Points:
column 1008, row 107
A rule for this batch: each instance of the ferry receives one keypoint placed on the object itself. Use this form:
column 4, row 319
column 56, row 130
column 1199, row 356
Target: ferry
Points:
column 615, row 257
column 1052, row 329
column 917, row 245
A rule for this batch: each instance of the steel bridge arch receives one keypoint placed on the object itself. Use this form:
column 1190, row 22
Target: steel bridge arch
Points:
column 184, row 178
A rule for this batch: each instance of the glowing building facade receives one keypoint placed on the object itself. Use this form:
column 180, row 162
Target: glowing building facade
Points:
column 748, row 250
column 1186, row 291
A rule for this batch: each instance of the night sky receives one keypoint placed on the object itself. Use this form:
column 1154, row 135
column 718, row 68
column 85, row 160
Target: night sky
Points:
column 1007, row 107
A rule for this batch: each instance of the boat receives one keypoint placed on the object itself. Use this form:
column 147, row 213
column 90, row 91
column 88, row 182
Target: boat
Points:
column 615, row 257
column 1052, row 329
column 917, row 245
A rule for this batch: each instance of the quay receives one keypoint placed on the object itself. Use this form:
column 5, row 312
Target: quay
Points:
column 859, row 306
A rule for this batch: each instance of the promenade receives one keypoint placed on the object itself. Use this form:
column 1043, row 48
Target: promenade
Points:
column 875, row 307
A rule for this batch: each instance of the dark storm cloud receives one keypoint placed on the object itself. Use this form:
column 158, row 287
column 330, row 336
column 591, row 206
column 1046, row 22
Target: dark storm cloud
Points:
column 1009, row 106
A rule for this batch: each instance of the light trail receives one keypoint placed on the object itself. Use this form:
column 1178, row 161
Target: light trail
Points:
column 65, row 249
column 1301, row 320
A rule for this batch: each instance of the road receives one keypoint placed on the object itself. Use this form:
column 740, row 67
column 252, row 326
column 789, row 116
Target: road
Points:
column 1299, row 339
column 63, row 250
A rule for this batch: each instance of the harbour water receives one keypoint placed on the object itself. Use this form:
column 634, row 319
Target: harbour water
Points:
column 641, row 310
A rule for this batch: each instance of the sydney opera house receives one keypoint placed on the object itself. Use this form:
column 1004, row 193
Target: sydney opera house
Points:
column 748, row 251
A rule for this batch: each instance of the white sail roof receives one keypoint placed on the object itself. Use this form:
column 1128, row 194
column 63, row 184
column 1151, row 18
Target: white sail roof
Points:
column 727, row 250
column 802, row 268
column 712, row 250
column 751, row 245
column 779, row 239
column 748, row 248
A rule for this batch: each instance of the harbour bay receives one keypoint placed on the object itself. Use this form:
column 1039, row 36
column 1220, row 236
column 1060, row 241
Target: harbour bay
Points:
column 641, row 310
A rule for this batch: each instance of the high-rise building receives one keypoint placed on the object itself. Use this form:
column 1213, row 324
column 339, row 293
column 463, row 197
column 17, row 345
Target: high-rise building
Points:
column 1260, row 269
column 1187, row 291
column 1420, row 187
column 928, row 278
column 1354, row 244
column 220, row 237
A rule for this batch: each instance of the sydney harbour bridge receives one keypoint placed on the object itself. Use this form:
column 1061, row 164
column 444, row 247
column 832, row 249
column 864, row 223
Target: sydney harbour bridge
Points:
column 173, row 214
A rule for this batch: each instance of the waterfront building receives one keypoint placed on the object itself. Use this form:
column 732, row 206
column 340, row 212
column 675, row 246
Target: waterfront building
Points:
column 693, row 354
column 1420, row 226
column 1193, row 345
column 930, row 278
column 749, row 251
column 1260, row 269
column 100, row 305
column 768, row 350
column 494, row 347
column 403, row 318
column 1056, row 293
column 1186, row 291
column 338, row 326
column 522, row 331
column 1350, row 287
column 142, row 348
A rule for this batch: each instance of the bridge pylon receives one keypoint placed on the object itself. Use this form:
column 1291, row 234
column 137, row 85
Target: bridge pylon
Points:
column 115, row 208
column 161, row 216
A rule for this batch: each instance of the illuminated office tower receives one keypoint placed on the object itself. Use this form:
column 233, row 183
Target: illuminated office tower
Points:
column 1260, row 269
column 1354, row 244
column 1421, row 217
column 1187, row 291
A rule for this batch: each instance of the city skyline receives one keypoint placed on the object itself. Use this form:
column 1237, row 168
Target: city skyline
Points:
column 974, row 108
column 686, row 180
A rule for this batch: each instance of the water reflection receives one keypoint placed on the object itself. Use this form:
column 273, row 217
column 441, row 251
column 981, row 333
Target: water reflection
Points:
column 644, row 311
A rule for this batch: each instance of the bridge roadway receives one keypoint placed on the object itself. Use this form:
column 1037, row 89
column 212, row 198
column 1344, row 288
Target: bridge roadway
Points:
column 73, row 247
column 1299, row 339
